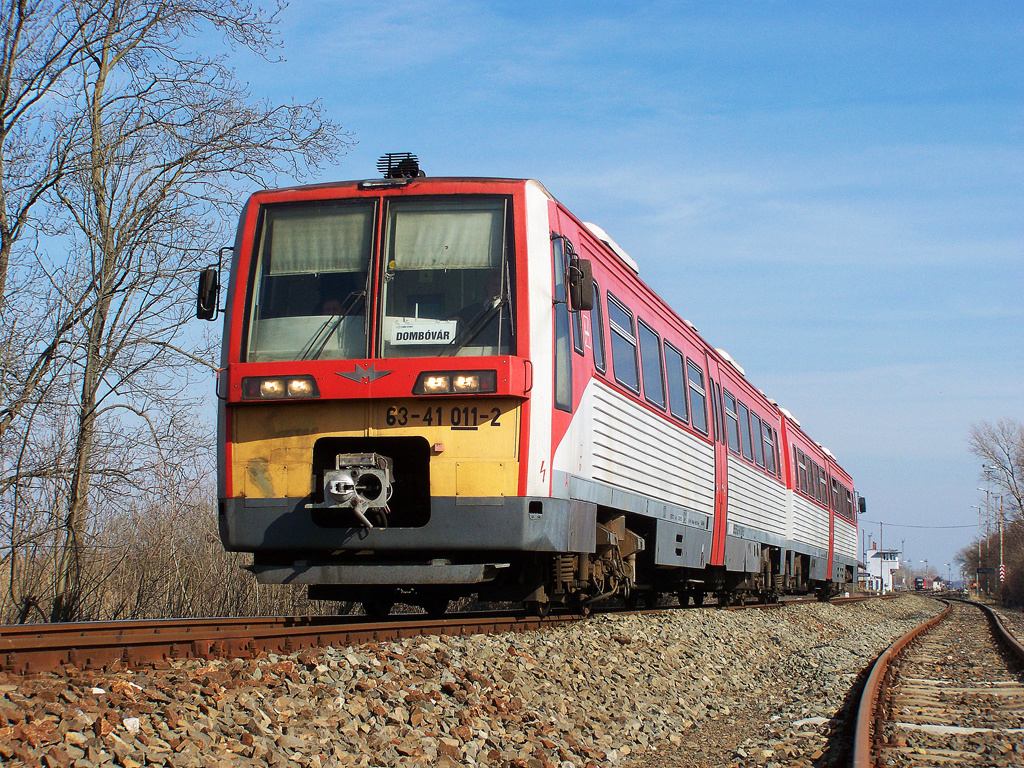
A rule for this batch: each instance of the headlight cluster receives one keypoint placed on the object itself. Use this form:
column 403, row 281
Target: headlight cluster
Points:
column 279, row 388
column 456, row 382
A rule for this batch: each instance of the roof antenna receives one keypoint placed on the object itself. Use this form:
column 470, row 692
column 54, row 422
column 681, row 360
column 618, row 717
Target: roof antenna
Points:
column 399, row 165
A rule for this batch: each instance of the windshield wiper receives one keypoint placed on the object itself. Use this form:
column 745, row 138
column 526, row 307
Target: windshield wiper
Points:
column 473, row 328
column 315, row 346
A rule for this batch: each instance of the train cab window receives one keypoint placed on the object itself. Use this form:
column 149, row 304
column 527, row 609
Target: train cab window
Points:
column 769, row 448
column 674, row 366
column 755, row 432
column 309, row 294
column 597, row 330
column 748, row 449
column 732, row 424
column 698, row 398
column 447, row 282
column 624, row 354
column 563, row 360
column 650, row 365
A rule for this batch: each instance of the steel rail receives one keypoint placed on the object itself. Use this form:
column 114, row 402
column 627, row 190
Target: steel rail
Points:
column 112, row 644
column 28, row 648
column 869, row 712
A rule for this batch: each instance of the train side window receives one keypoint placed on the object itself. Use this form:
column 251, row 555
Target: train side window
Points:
column 698, row 397
column 563, row 356
column 676, row 383
column 822, row 487
column 801, row 465
column 755, row 433
column 721, row 411
column 597, row 329
column 769, row 448
column 577, row 332
column 624, row 355
column 651, row 364
column 732, row 424
column 778, row 456
column 748, row 450
column 835, row 494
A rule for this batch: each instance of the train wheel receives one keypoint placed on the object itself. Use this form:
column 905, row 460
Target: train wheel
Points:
column 378, row 607
column 538, row 608
column 698, row 596
column 436, row 606
column 640, row 600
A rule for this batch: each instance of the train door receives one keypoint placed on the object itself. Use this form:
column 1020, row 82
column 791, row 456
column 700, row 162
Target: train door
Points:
column 563, row 362
column 721, row 462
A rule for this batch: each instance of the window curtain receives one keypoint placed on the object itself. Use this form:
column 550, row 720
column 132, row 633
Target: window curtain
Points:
column 306, row 240
column 447, row 235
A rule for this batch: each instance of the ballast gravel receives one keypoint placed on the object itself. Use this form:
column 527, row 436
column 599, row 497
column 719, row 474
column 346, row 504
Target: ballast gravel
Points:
column 676, row 688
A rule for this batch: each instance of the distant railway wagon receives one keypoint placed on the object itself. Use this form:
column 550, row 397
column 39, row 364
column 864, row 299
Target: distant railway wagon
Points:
column 438, row 387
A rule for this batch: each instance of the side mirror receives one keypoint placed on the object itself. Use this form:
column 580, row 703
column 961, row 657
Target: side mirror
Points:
column 580, row 283
column 862, row 505
column 209, row 294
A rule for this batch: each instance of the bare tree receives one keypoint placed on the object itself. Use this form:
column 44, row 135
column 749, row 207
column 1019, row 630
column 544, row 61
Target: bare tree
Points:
column 153, row 141
column 41, row 45
column 1001, row 446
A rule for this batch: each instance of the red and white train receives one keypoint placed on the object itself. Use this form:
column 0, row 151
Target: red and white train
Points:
column 438, row 387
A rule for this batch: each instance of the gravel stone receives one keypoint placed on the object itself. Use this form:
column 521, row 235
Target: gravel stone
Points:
column 677, row 688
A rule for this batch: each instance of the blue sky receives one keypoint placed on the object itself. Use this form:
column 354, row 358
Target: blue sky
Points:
column 834, row 193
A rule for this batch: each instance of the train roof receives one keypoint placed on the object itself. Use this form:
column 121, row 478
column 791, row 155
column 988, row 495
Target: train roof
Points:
column 385, row 183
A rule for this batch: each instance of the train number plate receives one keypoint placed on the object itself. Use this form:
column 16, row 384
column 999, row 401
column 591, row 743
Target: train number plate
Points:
column 448, row 415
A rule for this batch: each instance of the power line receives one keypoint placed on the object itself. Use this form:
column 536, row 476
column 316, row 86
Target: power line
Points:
column 900, row 525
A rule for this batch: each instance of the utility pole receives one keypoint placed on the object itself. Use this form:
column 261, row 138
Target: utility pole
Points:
column 1002, row 567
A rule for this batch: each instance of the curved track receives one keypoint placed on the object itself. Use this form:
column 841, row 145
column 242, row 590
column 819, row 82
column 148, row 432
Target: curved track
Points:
column 950, row 693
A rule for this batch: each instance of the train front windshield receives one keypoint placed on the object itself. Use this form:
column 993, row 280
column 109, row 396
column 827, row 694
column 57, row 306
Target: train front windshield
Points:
column 444, row 287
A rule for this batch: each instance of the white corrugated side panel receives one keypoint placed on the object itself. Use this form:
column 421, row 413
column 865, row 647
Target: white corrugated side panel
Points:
column 632, row 448
column 538, row 243
column 810, row 523
column 755, row 501
column 845, row 538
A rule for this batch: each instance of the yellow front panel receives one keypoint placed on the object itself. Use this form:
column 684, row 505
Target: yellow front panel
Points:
column 475, row 442
column 486, row 478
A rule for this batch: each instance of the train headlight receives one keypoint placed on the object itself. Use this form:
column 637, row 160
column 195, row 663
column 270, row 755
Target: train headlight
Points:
column 456, row 382
column 466, row 382
column 434, row 385
column 279, row 388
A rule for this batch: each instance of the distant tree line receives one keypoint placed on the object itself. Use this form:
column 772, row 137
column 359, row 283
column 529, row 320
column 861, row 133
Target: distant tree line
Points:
column 123, row 149
column 1000, row 447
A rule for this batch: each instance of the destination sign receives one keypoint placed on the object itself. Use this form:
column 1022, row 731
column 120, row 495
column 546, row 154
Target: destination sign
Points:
column 406, row 332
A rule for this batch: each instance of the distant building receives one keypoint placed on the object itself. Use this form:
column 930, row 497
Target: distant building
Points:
column 880, row 565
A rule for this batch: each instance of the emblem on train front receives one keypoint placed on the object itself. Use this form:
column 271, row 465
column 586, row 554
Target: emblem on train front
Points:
column 364, row 373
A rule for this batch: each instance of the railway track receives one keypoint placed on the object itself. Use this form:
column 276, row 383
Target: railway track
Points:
column 110, row 645
column 25, row 649
column 949, row 693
